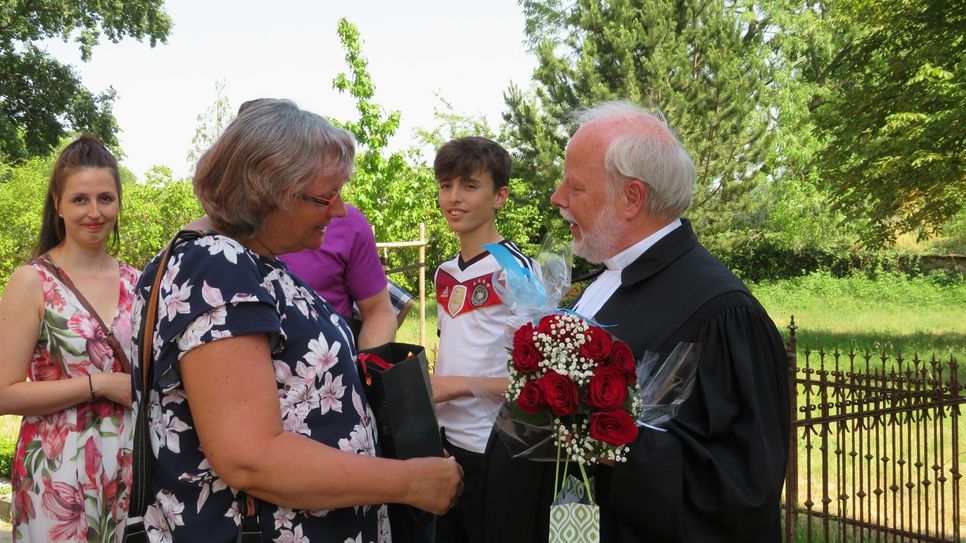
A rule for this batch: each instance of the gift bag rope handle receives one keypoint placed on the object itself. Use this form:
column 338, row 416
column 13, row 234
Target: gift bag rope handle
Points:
column 142, row 477
column 46, row 261
column 369, row 358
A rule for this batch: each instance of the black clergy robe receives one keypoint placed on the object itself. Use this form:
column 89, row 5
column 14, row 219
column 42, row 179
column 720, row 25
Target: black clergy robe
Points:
column 717, row 473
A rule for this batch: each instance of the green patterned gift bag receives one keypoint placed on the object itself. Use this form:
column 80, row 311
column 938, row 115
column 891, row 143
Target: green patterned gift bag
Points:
column 571, row 519
column 574, row 523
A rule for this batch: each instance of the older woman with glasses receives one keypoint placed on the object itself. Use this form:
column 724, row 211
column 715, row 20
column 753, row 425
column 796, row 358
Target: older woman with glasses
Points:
column 252, row 385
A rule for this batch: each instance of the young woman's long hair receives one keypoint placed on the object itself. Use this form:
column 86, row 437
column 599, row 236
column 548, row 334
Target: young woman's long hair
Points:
column 85, row 152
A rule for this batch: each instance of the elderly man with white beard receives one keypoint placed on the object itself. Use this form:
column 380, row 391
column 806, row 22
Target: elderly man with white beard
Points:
column 716, row 472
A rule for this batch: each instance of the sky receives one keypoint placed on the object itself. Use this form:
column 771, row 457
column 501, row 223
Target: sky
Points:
column 466, row 52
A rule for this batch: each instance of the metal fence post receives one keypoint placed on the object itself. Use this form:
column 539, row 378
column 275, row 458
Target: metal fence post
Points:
column 791, row 472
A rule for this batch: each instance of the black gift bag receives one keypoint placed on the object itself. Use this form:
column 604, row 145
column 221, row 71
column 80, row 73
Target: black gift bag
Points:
column 396, row 380
column 395, row 377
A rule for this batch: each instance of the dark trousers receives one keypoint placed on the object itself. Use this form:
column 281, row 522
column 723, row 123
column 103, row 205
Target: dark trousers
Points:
column 462, row 524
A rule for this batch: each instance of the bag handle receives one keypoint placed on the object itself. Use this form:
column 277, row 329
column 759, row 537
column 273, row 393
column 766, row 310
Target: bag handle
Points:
column 142, row 448
column 46, row 261
column 365, row 359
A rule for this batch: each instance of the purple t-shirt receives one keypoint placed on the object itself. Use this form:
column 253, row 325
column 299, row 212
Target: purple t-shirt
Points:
column 346, row 268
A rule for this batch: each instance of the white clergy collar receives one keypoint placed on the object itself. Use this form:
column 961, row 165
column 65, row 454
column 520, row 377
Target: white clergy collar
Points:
column 598, row 292
column 624, row 258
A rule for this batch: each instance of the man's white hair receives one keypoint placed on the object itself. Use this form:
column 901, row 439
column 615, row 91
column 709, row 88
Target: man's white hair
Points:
column 662, row 164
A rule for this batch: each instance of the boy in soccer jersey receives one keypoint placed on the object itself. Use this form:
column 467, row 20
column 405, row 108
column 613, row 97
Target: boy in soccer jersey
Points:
column 471, row 374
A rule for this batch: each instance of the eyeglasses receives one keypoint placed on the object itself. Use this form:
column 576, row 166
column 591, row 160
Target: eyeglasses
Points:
column 324, row 202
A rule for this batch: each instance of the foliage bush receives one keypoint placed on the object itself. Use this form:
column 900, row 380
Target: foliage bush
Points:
column 152, row 212
column 7, row 447
column 788, row 230
column 891, row 287
column 21, row 199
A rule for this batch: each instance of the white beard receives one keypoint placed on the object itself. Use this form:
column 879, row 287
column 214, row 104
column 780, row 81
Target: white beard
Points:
column 599, row 242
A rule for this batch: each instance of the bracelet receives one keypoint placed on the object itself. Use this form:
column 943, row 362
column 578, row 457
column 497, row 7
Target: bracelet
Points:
column 90, row 385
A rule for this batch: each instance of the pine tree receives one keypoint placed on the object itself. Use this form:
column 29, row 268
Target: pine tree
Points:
column 706, row 64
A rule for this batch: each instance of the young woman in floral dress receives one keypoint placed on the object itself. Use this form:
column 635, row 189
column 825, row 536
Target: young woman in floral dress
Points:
column 72, row 465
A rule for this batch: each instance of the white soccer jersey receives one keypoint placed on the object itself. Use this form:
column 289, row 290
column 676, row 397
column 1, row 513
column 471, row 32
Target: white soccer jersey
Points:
column 473, row 341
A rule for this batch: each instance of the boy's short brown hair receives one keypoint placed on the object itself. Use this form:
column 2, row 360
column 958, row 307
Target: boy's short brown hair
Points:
column 463, row 157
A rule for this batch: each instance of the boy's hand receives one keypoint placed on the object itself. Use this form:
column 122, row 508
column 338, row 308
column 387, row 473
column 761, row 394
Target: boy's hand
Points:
column 448, row 387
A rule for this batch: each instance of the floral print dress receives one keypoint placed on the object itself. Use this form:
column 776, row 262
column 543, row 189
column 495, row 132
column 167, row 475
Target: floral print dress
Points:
column 72, row 469
column 215, row 288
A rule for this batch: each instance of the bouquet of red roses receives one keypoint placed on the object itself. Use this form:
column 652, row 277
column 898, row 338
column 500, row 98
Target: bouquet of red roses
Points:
column 583, row 379
column 573, row 392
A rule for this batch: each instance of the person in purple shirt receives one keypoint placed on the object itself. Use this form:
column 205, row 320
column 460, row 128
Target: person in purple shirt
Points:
column 347, row 270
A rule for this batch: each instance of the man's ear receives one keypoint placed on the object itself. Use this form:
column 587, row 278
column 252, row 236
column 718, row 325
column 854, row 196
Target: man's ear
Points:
column 635, row 194
column 500, row 197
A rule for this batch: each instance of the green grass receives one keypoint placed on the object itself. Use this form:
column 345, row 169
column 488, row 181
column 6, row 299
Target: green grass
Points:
column 409, row 331
column 894, row 314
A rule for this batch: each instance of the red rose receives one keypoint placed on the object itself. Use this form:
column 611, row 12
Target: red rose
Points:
column 545, row 323
column 526, row 357
column 531, row 397
column 623, row 359
column 524, row 334
column 560, row 392
column 615, row 427
column 607, row 388
column 597, row 344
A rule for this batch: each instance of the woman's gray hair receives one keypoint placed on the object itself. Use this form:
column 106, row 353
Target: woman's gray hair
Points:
column 662, row 164
column 264, row 160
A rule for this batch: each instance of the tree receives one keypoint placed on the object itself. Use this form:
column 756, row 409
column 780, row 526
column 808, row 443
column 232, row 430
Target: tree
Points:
column 42, row 99
column 383, row 185
column 707, row 64
column 890, row 107
column 397, row 190
column 211, row 123
column 393, row 195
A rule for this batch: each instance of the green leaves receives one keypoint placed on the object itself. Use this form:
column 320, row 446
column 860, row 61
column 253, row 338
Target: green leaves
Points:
column 893, row 115
column 42, row 99
column 705, row 64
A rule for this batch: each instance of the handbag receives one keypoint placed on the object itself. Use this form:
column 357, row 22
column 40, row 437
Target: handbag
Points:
column 395, row 377
column 135, row 532
column 46, row 261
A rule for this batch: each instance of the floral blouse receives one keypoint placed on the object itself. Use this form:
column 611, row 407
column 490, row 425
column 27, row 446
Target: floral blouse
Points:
column 215, row 288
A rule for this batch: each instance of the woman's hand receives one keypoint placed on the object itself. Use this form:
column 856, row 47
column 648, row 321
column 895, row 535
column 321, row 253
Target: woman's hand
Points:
column 113, row 386
column 435, row 484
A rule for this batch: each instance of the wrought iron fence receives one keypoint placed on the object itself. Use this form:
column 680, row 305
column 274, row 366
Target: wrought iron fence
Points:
column 876, row 448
